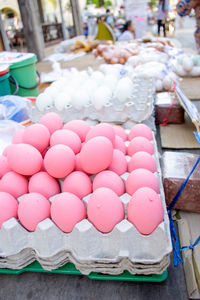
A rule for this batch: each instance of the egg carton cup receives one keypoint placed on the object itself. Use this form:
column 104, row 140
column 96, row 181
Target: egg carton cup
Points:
column 124, row 248
column 136, row 109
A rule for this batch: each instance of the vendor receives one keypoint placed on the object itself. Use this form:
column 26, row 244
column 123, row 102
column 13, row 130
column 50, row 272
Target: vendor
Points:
column 128, row 32
column 184, row 8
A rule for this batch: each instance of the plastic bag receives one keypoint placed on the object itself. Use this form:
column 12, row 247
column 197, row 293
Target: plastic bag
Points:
column 7, row 129
column 14, row 108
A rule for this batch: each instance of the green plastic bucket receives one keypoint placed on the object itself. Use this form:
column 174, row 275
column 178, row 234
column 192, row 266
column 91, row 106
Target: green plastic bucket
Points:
column 23, row 69
column 4, row 80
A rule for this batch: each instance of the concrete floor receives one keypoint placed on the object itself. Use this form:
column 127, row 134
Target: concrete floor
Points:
column 36, row 286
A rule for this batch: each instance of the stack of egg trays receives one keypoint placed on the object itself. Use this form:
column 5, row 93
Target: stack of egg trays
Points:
column 123, row 249
column 134, row 109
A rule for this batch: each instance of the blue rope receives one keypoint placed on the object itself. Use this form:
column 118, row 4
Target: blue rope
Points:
column 191, row 245
column 175, row 241
column 197, row 136
column 174, row 238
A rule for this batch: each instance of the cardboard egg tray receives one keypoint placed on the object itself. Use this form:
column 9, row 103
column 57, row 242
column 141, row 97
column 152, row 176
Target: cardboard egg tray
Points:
column 88, row 249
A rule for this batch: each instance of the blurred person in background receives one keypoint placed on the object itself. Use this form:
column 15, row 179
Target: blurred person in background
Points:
column 128, row 32
column 85, row 29
column 184, row 8
column 163, row 8
column 110, row 19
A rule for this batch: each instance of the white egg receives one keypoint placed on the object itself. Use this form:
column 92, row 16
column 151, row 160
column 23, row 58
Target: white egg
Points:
column 60, row 83
column 196, row 60
column 74, row 83
column 101, row 96
column 79, row 99
column 51, row 90
column 84, row 75
column 167, row 83
column 90, row 86
column 90, row 71
column 61, row 100
column 172, row 75
column 195, row 71
column 181, row 58
column 110, row 81
column 134, row 61
column 180, row 71
column 159, row 85
column 126, row 80
column 97, row 76
column 124, row 89
column 42, row 101
column 187, row 64
column 113, row 70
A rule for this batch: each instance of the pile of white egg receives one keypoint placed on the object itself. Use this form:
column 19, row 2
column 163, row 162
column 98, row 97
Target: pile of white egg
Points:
column 147, row 55
column 153, row 64
column 82, row 88
column 163, row 78
column 187, row 65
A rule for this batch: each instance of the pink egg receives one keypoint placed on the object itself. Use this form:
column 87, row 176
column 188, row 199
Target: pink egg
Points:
column 102, row 129
column 139, row 144
column 119, row 131
column 66, row 137
column 33, row 208
column 78, row 166
column 80, row 127
column 109, row 180
column 77, row 183
column 8, row 207
column 43, row 184
column 4, row 167
column 66, row 211
column 5, row 151
column 141, row 178
column 96, row 155
column 14, row 184
column 24, row 159
column 140, row 130
column 119, row 163
column 38, row 136
column 18, row 136
column 59, row 161
column 105, row 210
column 52, row 121
column 142, row 160
column 145, row 210
column 120, row 145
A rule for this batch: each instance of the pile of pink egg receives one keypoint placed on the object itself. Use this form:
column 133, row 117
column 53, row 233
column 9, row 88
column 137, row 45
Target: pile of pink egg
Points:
column 87, row 160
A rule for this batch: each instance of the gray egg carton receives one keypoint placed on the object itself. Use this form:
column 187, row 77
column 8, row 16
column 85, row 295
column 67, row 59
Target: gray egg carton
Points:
column 88, row 249
column 134, row 109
